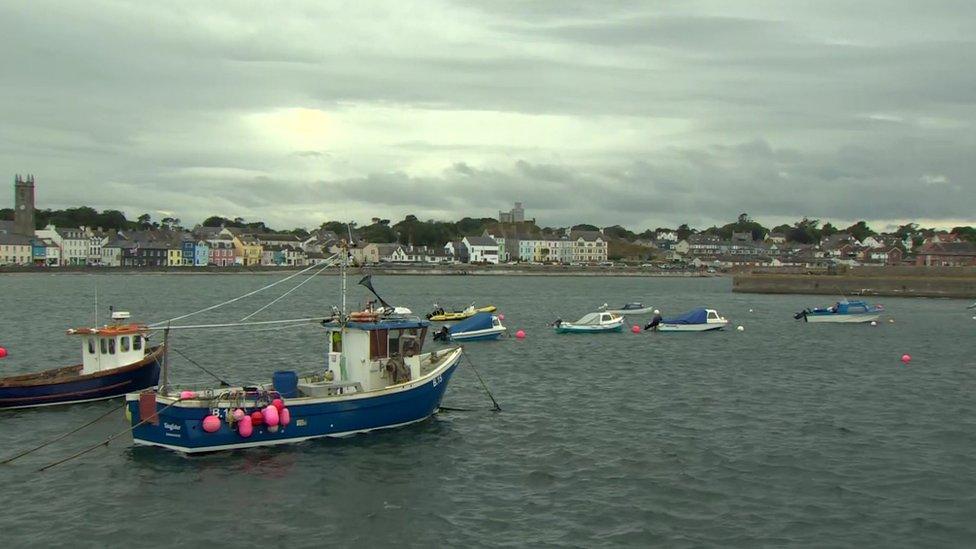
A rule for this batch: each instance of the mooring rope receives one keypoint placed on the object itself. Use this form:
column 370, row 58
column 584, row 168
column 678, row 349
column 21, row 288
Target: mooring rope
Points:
column 497, row 408
column 229, row 301
column 61, row 436
column 282, row 296
column 109, row 439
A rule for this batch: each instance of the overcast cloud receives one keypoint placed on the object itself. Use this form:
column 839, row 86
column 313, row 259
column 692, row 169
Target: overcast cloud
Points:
column 643, row 114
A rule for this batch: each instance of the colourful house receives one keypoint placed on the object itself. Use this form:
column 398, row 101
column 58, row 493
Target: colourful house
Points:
column 248, row 249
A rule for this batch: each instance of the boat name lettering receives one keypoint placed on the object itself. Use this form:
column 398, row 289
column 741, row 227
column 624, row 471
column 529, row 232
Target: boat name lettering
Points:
column 437, row 381
column 172, row 427
column 300, row 423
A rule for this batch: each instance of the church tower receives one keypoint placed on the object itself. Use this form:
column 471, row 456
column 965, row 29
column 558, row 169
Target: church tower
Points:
column 24, row 205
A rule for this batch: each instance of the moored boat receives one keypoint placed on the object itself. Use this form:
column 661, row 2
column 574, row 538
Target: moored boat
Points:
column 375, row 376
column 480, row 327
column 440, row 315
column 592, row 323
column 696, row 320
column 843, row 312
column 116, row 359
column 633, row 308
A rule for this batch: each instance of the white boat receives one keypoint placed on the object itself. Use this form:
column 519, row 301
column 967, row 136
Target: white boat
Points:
column 842, row 312
column 634, row 308
column 480, row 327
column 591, row 323
column 697, row 320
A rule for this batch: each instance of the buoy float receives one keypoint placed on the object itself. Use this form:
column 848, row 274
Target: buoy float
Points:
column 211, row 424
column 278, row 403
column 635, row 329
column 657, row 312
column 750, row 310
column 271, row 416
column 874, row 323
column 906, row 358
column 257, row 418
column 741, row 328
column 501, row 317
column 184, row 395
column 520, row 334
column 245, row 428
column 3, row 351
column 239, row 414
column 892, row 321
column 285, row 417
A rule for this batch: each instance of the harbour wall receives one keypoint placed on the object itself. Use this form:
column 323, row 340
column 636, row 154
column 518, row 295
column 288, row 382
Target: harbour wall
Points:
column 949, row 282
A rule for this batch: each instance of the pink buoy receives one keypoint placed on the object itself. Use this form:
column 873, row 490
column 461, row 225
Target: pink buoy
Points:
column 285, row 417
column 501, row 317
column 239, row 414
column 211, row 424
column 271, row 416
column 245, row 428
column 906, row 358
column 257, row 418
column 520, row 334
column 278, row 403
column 635, row 329
column 3, row 352
column 184, row 395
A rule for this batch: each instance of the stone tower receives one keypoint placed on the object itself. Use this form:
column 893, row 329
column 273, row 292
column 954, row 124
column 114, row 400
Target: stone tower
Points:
column 24, row 205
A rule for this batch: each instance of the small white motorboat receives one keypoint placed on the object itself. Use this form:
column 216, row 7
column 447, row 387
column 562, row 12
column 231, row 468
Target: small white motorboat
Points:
column 697, row 320
column 633, row 308
column 592, row 323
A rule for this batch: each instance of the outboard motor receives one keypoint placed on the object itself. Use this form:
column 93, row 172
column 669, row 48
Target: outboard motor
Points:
column 653, row 323
column 442, row 334
column 802, row 314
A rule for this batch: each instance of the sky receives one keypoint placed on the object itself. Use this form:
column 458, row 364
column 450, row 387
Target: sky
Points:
column 643, row 114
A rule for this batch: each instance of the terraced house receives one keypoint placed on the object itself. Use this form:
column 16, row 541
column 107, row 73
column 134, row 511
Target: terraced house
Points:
column 589, row 247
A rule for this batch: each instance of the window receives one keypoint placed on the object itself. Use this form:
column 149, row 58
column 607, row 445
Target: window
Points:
column 91, row 346
column 104, row 345
column 124, row 343
column 111, row 346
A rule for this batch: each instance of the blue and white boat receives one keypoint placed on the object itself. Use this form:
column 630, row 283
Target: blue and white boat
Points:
column 632, row 308
column 116, row 359
column 592, row 323
column 375, row 376
column 696, row 320
column 845, row 312
column 480, row 327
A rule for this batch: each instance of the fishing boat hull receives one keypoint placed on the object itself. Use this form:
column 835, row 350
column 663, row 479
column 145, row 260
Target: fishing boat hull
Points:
column 179, row 427
column 69, row 386
column 841, row 318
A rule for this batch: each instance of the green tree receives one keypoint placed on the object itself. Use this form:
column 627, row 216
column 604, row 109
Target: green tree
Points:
column 684, row 231
column 860, row 230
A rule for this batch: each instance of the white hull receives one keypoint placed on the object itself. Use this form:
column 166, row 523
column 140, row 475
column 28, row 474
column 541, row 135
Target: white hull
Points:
column 488, row 333
column 843, row 319
column 644, row 311
column 691, row 327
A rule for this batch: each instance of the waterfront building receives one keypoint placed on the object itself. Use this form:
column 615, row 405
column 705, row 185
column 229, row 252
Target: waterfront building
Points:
column 222, row 252
column 948, row 253
column 24, row 205
column 248, row 250
column 481, row 249
column 457, row 250
column 15, row 249
column 589, row 247
column 174, row 254
column 201, row 254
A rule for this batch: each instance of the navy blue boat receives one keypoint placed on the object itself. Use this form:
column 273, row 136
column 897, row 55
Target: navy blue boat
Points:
column 375, row 377
column 480, row 327
column 116, row 359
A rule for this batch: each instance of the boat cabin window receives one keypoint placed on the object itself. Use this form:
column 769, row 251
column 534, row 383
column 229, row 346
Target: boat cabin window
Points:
column 336, row 342
column 395, row 343
column 606, row 318
column 111, row 345
column 104, row 345
column 136, row 342
column 712, row 315
column 91, row 346
column 124, row 343
column 378, row 344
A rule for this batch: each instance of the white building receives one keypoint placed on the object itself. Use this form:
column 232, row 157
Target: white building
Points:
column 72, row 244
column 546, row 250
column 589, row 247
column 481, row 249
column 666, row 235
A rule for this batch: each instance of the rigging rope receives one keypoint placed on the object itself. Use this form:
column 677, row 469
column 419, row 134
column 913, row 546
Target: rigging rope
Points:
column 195, row 363
column 229, row 301
column 497, row 408
column 290, row 321
column 282, row 296
column 61, row 436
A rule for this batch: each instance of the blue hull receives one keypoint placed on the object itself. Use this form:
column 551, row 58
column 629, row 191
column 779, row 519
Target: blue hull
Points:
column 78, row 388
column 486, row 337
column 180, row 428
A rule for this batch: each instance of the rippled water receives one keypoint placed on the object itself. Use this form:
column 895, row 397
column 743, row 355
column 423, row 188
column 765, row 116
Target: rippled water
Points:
column 784, row 434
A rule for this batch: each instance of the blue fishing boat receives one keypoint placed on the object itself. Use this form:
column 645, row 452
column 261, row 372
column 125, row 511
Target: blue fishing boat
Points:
column 116, row 359
column 844, row 312
column 375, row 376
column 480, row 327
